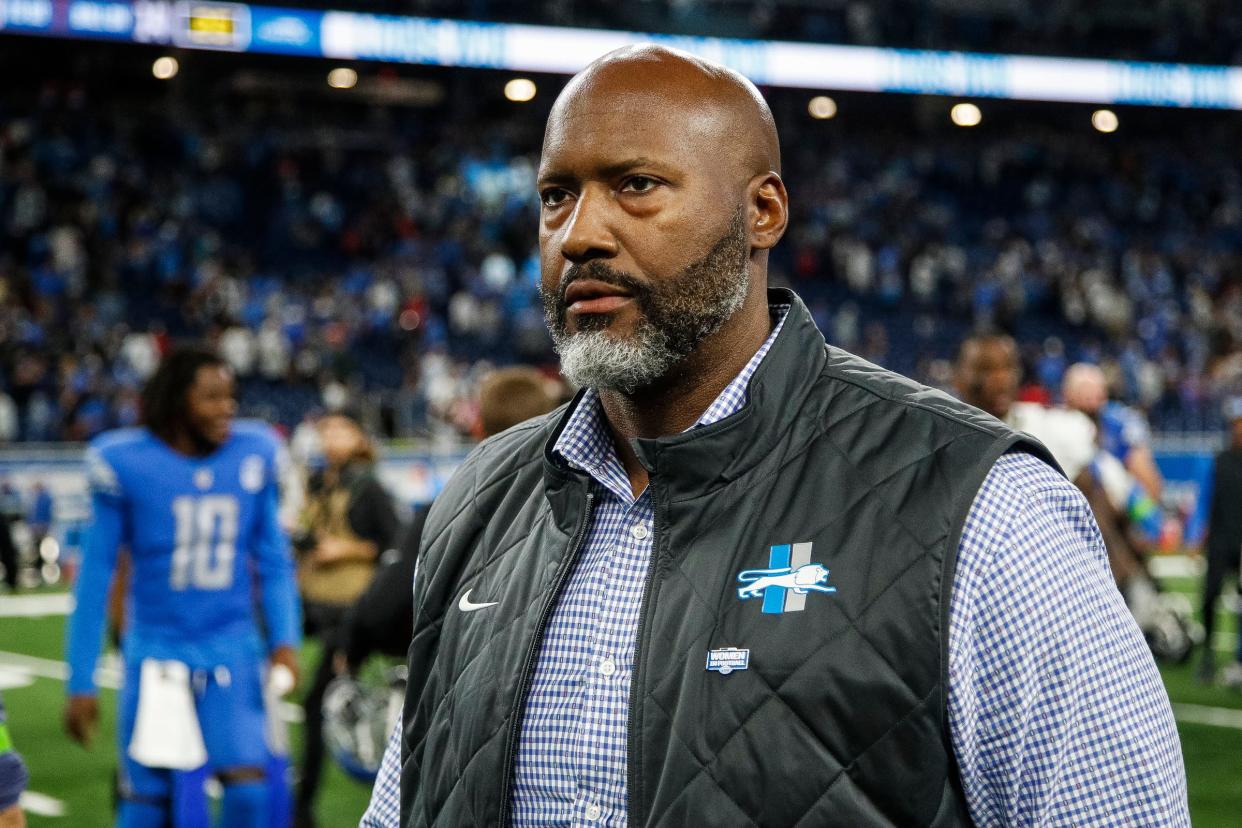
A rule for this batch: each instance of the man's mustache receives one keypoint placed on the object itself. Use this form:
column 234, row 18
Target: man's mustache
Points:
column 598, row 271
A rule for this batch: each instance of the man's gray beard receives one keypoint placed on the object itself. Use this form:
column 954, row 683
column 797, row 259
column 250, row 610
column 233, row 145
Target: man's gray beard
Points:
column 674, row 317
column 596, row 359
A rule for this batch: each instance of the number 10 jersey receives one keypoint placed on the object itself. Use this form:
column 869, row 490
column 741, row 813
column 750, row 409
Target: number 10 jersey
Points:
column 202, row 534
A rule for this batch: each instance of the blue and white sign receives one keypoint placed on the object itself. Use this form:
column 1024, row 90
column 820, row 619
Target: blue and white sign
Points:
column 206, row 24
column 728, row 659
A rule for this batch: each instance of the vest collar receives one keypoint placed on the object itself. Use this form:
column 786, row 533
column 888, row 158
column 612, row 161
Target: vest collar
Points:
column 707, row 457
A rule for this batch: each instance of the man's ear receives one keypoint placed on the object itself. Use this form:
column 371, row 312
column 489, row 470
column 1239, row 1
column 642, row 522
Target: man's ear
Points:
column 769, row 210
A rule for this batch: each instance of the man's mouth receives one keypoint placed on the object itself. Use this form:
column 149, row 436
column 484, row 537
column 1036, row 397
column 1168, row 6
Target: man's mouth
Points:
column 588, row 296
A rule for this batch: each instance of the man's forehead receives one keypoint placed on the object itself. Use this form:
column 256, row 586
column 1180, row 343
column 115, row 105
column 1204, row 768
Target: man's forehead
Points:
column 990, row 351
column 654, row 100
column 601, row 131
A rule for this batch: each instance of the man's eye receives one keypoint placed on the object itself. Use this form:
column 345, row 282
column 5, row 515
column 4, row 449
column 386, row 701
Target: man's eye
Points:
column 553, row 197
column 639, row 184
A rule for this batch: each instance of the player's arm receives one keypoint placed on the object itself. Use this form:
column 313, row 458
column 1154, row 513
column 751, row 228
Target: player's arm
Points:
column 277, row 587
column 1142, row 464
column 85, row 635
column 1139, row 459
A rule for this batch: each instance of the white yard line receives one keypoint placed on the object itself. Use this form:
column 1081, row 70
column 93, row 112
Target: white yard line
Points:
column 1216, row 716
column 41, row 805
column 107, row 675
column 10, row 679
column 1175, row 566
column 36, row 606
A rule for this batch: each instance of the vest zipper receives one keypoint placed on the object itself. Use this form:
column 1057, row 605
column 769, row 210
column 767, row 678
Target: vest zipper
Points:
column 527, row 675
column 631, row 739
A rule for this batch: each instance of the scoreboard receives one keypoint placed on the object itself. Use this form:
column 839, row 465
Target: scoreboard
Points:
column 213, row 26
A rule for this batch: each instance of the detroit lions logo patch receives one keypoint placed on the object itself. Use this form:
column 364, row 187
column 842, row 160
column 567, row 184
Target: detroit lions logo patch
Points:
column 784, row 585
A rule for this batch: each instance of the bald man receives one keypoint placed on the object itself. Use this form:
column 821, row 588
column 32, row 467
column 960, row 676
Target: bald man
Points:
column 1123, row 431
column 744, row 577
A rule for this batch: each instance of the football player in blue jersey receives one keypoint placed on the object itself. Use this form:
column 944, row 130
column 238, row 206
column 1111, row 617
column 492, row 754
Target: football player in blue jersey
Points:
column 1123, row 431
column 193, row 495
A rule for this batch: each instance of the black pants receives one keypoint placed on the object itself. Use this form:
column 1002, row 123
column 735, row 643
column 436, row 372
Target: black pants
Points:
column 8, row 554
column 1222, row 563
column 322, row 621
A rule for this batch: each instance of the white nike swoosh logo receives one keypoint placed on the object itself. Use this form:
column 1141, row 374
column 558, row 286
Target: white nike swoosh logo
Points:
column 465, row 604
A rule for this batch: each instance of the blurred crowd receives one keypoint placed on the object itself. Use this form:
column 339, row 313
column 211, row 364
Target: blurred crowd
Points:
column 1121, row 252
column 323, row 260
column 385, row 257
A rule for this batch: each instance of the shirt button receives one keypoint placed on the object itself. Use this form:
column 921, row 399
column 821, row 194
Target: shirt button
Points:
column 593, row 812
column 639, row 532
column 607, row 667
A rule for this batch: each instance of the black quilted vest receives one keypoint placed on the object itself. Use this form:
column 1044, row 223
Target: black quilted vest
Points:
column 839, row 718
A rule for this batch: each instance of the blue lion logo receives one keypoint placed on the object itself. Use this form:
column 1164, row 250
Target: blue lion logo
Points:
column 808, row 578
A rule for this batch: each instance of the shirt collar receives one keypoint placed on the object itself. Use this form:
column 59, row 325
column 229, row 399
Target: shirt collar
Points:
column 586, row 444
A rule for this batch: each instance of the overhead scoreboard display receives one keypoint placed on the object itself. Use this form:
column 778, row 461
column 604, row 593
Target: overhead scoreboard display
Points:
column 241, row 27
column 212, row 26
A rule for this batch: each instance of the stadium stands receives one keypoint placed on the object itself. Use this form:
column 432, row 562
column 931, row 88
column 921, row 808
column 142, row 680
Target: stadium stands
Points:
column 334, row 250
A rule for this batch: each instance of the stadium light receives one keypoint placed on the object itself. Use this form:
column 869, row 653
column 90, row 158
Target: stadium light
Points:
column 965, row 114
column 342, row 77
column 822, row 107
column 165, row 68
column 520, row 89
column 1105, row 120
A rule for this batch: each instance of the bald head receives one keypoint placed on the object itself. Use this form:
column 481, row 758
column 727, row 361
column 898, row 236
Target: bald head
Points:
column 1085, row 388
column 708, row 103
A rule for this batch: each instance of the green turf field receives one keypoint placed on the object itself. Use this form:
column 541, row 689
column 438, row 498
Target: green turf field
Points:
column 81, row 779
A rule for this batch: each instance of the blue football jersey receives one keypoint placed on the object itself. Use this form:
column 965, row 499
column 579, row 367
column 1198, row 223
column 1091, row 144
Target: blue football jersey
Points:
column 202, row 535
column 1122, row 429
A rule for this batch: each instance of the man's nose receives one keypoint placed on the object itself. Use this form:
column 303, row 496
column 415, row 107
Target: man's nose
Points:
column 588, row 234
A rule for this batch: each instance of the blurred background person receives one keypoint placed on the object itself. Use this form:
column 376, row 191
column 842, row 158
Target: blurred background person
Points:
column 1224, row 545
column 39, row 516
column 1122, row 465
column 381, row 620
column 13, row 778
column 193, row 495
column 9, row 558
column 987, row 375
column 348, row 520
column 1123, row 431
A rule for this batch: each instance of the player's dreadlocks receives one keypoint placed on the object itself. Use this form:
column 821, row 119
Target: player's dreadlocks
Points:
column 164, row 395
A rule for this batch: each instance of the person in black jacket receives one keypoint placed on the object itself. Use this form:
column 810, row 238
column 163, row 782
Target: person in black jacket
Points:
column 715, row 588
column 382, row 618
column 348, row 521
column 8, row 554
column 1224, row 542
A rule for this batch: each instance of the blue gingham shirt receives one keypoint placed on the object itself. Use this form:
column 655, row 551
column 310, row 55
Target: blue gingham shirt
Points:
column 1057, row 714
